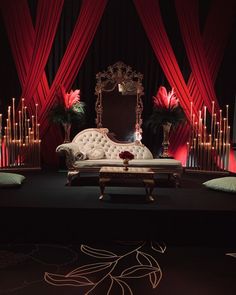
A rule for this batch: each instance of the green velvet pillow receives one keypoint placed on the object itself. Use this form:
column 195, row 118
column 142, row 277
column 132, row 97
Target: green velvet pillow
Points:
column 226, row 184
column 10, row 179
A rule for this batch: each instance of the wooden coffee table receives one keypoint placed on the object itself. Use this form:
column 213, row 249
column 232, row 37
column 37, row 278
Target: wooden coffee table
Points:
column 132, row 176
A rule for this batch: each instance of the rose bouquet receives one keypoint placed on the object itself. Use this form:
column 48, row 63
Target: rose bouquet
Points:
column 126, row 155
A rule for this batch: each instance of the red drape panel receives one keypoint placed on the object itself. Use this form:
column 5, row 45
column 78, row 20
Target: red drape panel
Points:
column 187, row 12
column 20, row 31
column 47, row 19
column 84, row 31
column 152, row 22
column 215, row 37
column 80, row 41
column 21, row 36
column 213, row 43
column 31, row 50
column 149, row 12
column 48, row 15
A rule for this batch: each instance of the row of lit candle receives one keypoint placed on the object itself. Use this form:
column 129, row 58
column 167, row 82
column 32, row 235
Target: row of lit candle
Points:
column 209, row 151
column 19, row 138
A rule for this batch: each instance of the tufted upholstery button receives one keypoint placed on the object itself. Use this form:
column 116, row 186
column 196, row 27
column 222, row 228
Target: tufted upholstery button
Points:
column 92, row 138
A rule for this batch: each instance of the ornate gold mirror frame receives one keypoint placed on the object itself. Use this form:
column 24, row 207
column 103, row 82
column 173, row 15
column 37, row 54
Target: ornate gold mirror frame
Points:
column 127, row 82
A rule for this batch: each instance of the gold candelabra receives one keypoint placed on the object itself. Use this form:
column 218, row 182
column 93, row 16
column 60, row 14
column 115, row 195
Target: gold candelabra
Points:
column 209, row 149
column 19, row 138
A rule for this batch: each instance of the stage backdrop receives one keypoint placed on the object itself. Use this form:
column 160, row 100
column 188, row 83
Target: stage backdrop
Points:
column 188, row 45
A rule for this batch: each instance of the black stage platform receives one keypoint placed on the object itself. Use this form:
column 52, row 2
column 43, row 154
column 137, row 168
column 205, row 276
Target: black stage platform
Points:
column 63, row 240
column 45, row 210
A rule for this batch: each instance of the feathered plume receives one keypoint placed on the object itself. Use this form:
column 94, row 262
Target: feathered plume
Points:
column 165, row 100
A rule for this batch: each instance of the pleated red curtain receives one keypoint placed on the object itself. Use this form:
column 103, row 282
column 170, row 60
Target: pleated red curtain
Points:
column 31, row 49
column 21, row 36
column 214, row 40
column 204, row 54
column 48, row 16
column 150, row 15
column 151, row 18
column 81, row 39
column 212, row 45
column 188, row 15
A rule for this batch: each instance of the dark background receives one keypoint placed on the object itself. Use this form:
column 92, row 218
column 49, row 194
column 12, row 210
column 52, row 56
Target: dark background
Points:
column 120, row 37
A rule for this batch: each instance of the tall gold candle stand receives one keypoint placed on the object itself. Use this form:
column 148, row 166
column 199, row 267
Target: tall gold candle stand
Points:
column 209, row 150
column 19, row 139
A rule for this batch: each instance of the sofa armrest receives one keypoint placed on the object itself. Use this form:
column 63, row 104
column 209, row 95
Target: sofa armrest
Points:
column 72, row 154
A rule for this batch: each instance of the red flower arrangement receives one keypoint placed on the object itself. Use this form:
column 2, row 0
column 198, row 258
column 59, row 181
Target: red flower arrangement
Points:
column 166, row 109
column 165, row 100
column 126, row 155
column 70, row 99
column 69, row 107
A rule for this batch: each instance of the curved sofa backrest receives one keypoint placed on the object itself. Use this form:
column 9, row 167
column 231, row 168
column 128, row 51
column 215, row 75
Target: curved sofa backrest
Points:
column 96, row 138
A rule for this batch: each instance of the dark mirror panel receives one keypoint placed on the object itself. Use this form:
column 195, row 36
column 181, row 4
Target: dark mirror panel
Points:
column 119, row 114
column 119, row 105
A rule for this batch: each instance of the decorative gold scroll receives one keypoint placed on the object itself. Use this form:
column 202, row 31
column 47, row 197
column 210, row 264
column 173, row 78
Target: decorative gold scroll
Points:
column 129, row 83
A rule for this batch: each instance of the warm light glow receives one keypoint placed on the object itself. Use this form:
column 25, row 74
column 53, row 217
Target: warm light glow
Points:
column 138, row 133
column 19, row 143
column 209, row 151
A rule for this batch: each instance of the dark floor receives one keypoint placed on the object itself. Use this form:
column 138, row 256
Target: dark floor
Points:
column 63, row 240
column 46, row 189
column 45, row 210
column 116, row 268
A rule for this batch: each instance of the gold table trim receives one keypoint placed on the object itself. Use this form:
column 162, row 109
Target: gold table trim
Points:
column 145, row 175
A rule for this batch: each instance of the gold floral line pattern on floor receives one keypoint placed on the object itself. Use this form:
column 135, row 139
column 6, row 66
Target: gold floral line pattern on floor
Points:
column 38, row 256
column 107, row 274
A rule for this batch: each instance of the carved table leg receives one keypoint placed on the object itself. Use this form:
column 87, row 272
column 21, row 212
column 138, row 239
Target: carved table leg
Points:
column 177, row 180
column 102, row 185
column 149, row 186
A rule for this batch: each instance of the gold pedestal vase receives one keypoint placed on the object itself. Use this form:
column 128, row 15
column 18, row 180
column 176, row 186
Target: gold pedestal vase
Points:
column 67, row 128
column 126, row 164
column 165, row 143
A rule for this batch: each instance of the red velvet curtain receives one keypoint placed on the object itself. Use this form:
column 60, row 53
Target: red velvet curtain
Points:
column 188, row 16
column 48, row 16
column 31, row 50
column 201, row 82
column 214, row 39
column 81, row 39
column 212, row 45
column 21, row 36
column 151, row 18
column 149, row 12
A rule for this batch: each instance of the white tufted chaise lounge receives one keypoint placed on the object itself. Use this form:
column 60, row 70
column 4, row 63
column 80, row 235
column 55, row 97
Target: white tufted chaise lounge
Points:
column 92, row 149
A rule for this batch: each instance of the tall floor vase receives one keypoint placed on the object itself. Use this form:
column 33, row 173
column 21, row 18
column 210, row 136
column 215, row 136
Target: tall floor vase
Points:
column 67, row 128
column 165, row 143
